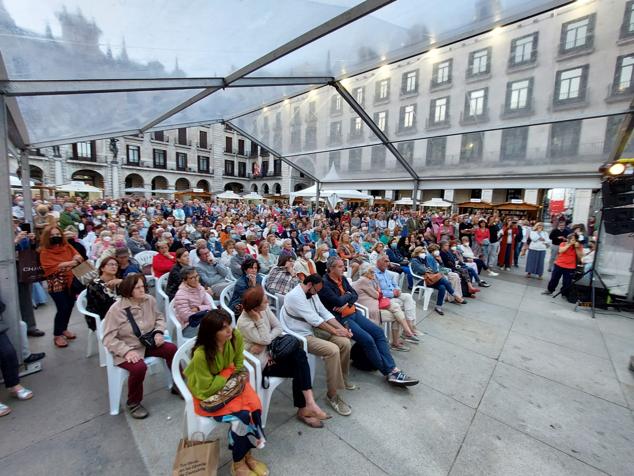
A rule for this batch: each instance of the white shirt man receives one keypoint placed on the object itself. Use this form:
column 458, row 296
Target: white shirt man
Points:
column 304, row 314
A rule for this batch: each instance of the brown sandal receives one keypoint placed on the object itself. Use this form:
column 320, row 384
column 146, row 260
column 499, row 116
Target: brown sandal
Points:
column 69, row 335
column 60, row 341
column 310, row 421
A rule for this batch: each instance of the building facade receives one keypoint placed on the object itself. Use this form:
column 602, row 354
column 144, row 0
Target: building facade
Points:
column 210, row 158
column 505, row 115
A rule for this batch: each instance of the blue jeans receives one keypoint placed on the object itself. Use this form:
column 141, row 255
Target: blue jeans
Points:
column 372, row 339
column 473, row 275
column 410, row 278
column 443, row 286
column 559, row 273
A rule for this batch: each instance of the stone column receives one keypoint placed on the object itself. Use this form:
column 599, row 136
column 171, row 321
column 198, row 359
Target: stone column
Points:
column 582, row 206
column 530, row 196
column 113, row 167
column 59, row 170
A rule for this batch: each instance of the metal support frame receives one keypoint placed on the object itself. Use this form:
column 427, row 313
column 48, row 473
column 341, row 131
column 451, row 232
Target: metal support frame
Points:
column 98, row 86
column 356, row 107
column 26, row 187
column 415, row 195
column 347, row 17
column 8, row 270
column 271, row 151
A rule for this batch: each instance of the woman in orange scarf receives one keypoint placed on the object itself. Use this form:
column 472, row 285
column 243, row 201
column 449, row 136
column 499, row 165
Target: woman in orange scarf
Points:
column 58, row 258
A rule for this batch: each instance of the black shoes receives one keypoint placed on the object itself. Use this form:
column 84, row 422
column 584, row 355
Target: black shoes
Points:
column 34, row 358
column 35, row 332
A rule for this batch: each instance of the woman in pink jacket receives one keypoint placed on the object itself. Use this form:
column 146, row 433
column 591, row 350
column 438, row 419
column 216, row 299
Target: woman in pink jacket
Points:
column 191, row 302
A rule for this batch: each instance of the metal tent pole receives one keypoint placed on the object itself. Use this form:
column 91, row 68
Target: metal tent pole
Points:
column 8, row 270
column 318, row 194
column 26, row 186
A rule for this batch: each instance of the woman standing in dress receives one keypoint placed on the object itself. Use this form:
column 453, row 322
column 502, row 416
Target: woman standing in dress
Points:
column 537, row 251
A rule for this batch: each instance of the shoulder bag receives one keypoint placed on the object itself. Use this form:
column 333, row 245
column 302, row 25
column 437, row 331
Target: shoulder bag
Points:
column 146, row 339
column 233, row 387
column 432, row 278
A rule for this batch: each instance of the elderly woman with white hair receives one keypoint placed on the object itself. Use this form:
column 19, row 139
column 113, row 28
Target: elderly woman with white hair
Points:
column 287, row 249
column 381, row 309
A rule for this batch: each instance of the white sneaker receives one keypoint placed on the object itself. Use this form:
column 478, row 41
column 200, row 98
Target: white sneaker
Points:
column 493, row 273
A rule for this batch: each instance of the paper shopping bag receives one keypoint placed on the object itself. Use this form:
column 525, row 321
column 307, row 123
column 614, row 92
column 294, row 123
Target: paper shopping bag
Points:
column 29, row 268
column 85, row 272
column 196, row 458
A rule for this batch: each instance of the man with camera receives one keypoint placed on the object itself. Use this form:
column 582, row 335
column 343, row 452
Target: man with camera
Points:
column 565, row 264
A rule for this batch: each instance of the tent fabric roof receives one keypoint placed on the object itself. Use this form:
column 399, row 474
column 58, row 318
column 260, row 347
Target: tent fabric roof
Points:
column 92, row 70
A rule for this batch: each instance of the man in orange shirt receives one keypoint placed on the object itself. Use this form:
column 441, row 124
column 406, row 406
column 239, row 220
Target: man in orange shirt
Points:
column 338, row 297
column 565, row 265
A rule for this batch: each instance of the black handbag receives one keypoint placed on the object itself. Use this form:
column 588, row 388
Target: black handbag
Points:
column 283, row 346
column 146, row 339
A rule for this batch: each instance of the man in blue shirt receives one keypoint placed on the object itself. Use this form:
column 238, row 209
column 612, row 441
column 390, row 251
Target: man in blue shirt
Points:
column 392, row 291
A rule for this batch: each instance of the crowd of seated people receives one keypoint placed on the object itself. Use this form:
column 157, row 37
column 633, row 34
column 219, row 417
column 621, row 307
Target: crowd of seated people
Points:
column 343, row 274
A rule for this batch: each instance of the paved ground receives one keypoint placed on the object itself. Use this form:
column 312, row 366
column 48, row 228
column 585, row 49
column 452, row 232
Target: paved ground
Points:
column 514, row 383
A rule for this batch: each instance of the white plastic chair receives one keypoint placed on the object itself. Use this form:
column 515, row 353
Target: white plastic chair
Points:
column 161, row 296
column 265, row 394
column 194, row 423
column 144, row 258
column 422, row 289
column 225, row 298
column 117, row 376
column 273, row 301
column 81, row 304
column 176, row 325
column 312, row 359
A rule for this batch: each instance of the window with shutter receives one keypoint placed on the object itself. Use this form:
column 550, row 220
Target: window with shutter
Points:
column 182, row 136
column 524, row 50
column 181, row 161
column 519, row 96
column 479, row 63
column 202, row 139
column 564, row 139
column 624, row 75
column 382, row 90
column 439, row 111
column 441, row 74
column 627, row 27
column 377, row 158
column 514, row 143
column 436, row 149
column 471, row 147
column 229, row 145
column 570, row 85
column 577, row 35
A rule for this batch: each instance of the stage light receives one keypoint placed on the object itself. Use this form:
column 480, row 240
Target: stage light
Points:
column 616, row 168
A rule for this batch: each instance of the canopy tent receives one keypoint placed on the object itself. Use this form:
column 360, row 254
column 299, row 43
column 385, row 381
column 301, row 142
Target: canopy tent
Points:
column 15, row 182
column 252, row 196
column 229, row 195
column 318, row 58
column 76, row 186
column 476, row 205
column 135, row 190
column 311, row 192
column 405, row 201
column 58, row 90
column 437, row 203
